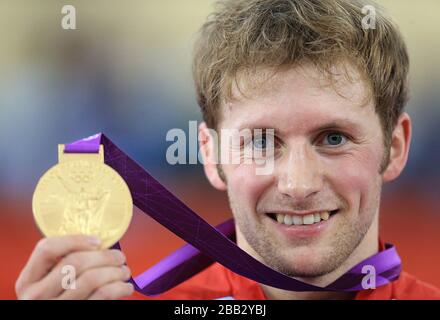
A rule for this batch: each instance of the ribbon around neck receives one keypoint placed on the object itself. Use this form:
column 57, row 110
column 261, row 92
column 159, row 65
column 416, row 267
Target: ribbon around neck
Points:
column 207, row 244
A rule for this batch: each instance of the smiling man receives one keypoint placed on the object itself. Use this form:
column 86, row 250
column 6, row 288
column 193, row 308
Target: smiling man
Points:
column 333, row 91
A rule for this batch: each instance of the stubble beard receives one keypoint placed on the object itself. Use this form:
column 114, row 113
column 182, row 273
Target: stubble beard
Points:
column 281, row 256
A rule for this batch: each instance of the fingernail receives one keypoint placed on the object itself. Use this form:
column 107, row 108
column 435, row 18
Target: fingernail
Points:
column 127, row 271
column 119, row 255
column 94, row 241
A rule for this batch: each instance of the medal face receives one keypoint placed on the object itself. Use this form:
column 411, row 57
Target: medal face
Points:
column 83, row 197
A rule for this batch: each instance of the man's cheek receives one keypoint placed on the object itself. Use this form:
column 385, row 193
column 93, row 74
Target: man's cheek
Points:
column 245, row 186
column 355, row 179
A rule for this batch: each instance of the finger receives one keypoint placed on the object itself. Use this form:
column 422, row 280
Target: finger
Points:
column 78, row 262
column 93, row 279
column 48, row 251
column 113, row 291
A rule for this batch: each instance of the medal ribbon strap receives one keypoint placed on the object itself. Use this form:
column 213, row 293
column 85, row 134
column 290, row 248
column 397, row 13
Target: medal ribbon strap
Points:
column 206, row 243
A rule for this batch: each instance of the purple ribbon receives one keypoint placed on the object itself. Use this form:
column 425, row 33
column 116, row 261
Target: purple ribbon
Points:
column 207, row 244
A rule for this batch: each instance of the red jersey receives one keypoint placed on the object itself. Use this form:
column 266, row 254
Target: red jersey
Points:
column 217, row 282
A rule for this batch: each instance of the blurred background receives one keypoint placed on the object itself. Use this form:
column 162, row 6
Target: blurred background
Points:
column 125, row 71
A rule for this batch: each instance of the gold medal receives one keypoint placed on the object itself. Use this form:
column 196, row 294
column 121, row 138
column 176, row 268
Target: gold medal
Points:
column 82, row 195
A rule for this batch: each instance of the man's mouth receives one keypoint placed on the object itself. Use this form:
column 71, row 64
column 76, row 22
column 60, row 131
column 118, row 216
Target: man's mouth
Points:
column 289, row 219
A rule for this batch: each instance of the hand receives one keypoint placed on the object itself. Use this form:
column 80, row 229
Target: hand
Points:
column 100, row 274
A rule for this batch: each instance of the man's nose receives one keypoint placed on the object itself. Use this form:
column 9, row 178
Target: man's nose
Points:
column 300, row 173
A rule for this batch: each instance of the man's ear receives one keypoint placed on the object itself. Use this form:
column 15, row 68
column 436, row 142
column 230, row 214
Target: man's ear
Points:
column 399, row 148
column 208, row 150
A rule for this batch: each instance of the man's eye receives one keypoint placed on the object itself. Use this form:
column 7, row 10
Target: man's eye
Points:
column 334, row 139
column 260, row 143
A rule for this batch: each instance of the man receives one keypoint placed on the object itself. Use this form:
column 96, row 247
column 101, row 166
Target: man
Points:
column 333, row 90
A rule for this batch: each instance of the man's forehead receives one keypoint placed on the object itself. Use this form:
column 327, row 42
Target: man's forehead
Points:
column 304, row 80
column 295, row 97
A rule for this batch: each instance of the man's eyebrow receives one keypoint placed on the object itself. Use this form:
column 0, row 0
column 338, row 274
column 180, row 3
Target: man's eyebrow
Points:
column 253, row 127
column 339, row 124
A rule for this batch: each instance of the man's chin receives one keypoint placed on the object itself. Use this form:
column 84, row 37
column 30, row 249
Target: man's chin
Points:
column 306, row 263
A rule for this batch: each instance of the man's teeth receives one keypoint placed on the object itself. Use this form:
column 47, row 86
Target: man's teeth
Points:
column 302, row 219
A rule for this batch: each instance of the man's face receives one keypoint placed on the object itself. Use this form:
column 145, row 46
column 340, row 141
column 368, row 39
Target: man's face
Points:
column 328, row 151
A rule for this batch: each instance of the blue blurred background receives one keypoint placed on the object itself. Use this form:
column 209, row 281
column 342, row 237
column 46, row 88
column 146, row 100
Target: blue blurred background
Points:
column 126, row 71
